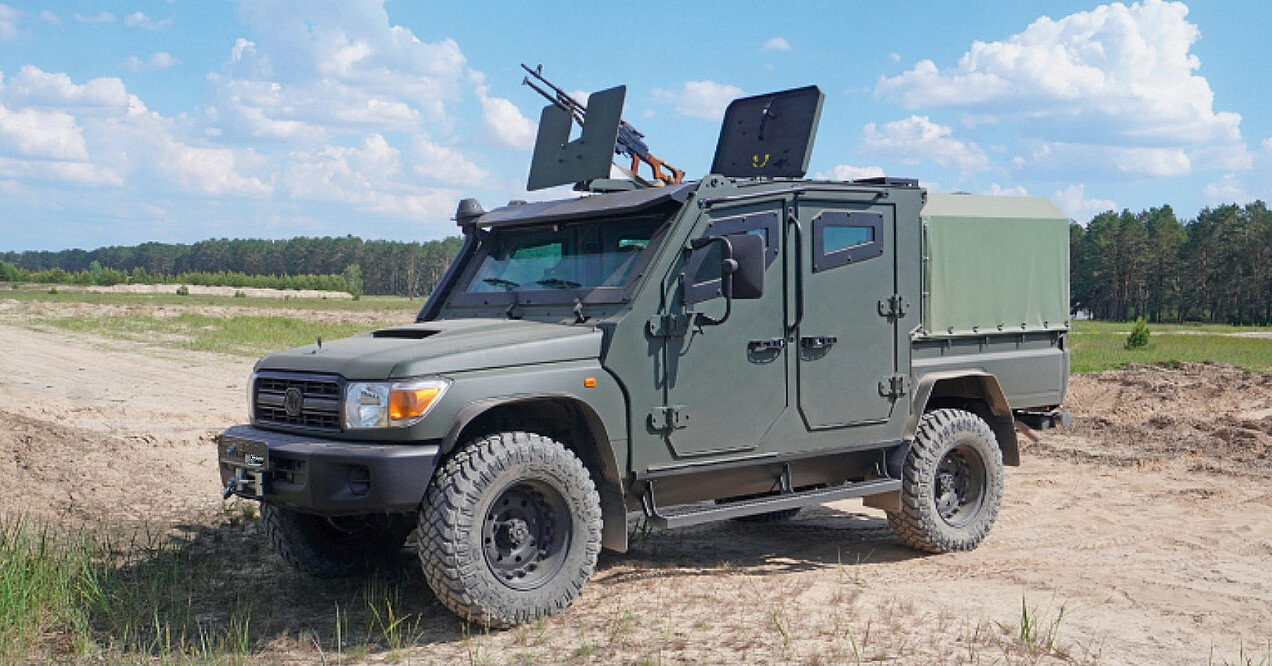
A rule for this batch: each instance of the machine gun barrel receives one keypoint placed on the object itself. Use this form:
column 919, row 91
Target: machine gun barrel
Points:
column 630, row 141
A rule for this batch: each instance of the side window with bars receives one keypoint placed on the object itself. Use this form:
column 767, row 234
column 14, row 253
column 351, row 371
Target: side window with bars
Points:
column 844, row 237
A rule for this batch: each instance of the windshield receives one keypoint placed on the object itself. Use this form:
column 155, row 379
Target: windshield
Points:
column 597, row 254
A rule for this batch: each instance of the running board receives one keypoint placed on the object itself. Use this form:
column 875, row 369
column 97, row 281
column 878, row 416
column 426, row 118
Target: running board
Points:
column 759, row 505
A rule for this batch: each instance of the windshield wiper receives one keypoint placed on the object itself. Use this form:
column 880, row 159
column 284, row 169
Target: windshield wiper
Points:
column 559, row 283
column 510, row 287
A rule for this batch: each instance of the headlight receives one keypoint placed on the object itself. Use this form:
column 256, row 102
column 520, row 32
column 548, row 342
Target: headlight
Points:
column 390, row 404
column 251, row 398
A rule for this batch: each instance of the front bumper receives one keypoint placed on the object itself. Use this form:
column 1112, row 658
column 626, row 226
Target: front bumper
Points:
column 324, row 476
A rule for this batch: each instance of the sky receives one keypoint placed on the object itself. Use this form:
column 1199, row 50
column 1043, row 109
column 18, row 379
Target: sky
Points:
column 177, row 121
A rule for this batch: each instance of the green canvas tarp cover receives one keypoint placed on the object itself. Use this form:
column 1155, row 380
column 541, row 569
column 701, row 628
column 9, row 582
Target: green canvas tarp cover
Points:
column 995, row 261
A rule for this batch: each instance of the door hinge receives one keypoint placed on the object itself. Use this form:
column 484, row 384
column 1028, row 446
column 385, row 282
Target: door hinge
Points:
column 893, row 306
column 893, row 387
column 667, row 325
column 671, row 417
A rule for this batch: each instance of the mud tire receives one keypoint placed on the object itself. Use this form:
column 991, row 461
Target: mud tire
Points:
column 504, row 496
column 951, row 484
column 335, row 547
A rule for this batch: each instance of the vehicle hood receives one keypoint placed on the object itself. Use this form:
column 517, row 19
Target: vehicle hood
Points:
column 439, row 347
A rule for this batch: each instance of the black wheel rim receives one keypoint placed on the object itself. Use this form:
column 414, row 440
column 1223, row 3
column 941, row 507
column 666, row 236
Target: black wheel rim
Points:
column 525, row 534
column 960, row 485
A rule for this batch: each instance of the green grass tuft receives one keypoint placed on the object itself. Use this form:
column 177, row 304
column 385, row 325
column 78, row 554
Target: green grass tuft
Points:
column 1098, row 346
column 243, row 335
column 46, row 582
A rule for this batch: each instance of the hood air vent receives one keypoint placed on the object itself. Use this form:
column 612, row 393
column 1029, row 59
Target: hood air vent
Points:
column 404, row 333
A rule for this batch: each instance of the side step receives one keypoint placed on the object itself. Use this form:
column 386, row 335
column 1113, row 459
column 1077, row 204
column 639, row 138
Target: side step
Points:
column 751, row 507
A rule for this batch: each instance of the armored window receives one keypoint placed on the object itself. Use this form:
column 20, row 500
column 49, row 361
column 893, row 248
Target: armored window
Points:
column 702, row 270
column 593, row 260
column 841, row 238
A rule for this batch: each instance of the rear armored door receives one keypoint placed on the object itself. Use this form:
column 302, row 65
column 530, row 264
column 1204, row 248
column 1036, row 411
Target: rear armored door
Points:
column 846, row 342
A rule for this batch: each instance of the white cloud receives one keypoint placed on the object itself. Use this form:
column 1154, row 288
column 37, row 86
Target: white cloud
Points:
column 50, row 18
column 894, row 56
column 446, row 165
column 36, row 88
column 329, row 112
column 212, row 171
column 1267, row 144
column 103, row 17
column 505, row 121
column 334, row 69
column 369, row 176
column 699, row 99
column 998, row 190
column 1074, row 202
column 1058, row 159
column 96, row 133
column 140, row 20
column 8, row 23
column 33, row 133
column 850, row 172
column 156, row 60
column 1115, row 74
column 914, row 139
column 58, row 174
column 1228, row 189
column 776, row 44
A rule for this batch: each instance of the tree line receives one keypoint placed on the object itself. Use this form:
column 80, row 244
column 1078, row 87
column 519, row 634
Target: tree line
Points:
column 342, row 263
column 1215, row 268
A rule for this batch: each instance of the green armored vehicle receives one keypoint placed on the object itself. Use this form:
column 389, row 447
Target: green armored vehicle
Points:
column 739, row 346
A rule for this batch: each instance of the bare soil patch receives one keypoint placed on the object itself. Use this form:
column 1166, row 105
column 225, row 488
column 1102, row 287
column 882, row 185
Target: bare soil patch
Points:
column 1149, row 523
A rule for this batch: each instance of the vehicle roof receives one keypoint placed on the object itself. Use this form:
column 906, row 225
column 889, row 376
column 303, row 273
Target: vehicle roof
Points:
column 616, row 203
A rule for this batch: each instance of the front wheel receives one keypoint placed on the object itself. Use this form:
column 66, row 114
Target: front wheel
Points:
column 951, row 485
column 510, row 530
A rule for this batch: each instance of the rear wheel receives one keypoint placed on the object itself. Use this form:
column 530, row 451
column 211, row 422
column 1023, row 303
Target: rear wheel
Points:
column 336, row 546
column 510, row 530
column 951, row 484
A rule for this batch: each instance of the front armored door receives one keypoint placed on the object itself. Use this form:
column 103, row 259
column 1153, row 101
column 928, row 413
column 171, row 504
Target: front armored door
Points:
column 725, row 385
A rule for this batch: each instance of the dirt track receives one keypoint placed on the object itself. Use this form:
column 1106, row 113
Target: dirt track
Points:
column 1149, row 524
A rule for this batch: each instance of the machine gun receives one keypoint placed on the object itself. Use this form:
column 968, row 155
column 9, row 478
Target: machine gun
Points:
column 630, row 141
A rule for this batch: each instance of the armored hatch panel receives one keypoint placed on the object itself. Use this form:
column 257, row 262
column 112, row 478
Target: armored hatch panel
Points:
column 995, row 263
column 770, row 135
column 559, row 161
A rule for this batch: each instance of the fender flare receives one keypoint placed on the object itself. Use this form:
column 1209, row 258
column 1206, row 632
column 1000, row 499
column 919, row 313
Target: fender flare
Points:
column 597, row 455
column 973, row 384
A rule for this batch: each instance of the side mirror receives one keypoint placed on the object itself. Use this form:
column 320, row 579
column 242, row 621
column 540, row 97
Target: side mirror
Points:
column 748, row 276
column 741, row 271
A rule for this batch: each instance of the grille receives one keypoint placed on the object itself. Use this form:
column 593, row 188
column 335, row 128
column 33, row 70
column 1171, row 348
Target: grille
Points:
column 319, row 401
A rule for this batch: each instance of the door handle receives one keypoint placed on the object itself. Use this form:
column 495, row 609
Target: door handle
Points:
column 766, row 345
column 817, row 341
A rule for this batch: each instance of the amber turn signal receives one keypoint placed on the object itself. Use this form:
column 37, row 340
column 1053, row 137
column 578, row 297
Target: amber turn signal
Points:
column 410, row 403
column 589, row 382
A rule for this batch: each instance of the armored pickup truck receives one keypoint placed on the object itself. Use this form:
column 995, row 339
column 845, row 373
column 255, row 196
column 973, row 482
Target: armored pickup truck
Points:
column 734, row 347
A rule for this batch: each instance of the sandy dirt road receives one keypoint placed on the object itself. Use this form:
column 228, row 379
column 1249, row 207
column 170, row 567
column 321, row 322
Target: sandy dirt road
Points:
column 1144, row 535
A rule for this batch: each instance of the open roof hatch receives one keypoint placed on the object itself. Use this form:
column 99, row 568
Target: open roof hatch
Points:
column 559, row 161
column 770, row 135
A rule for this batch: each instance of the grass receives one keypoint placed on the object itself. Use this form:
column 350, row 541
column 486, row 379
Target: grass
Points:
column 45, row 584
column 1100, row 346
column 243, row 335
column 64, row 294
column 200, row 597
column 1095, row 345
